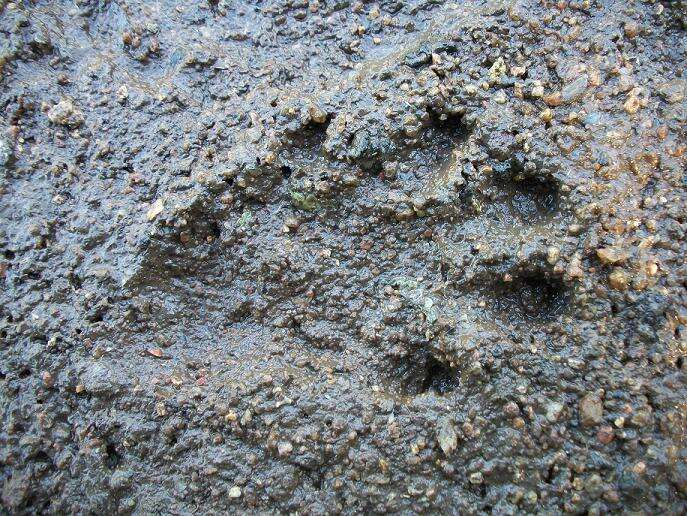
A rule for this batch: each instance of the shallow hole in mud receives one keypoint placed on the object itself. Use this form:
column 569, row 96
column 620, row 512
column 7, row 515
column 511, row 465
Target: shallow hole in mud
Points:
column 438, row 377
column 534, row 198
column 24, row 373
column 9, row 255
column 531, row 199
column 431, row 161
column 531, row 297
column 680, row 362
column 311, row 137
column 550, row 473
column 420, row 372
column 451, row 124
column 113, row 458
column 215, row 230
column 42, row 456
column 286, row 171
column 374, row 168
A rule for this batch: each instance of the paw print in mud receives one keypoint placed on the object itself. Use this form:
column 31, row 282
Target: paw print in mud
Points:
column 422, row 255
column 432, row 262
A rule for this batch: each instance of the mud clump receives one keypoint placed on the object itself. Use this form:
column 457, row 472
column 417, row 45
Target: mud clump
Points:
column 343, row 257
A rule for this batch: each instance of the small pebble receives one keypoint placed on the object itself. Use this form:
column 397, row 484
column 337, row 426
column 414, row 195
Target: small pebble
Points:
column 631, row 29
column 591, row 410
column 284, row 448
column 48, row 379
column 618, row 279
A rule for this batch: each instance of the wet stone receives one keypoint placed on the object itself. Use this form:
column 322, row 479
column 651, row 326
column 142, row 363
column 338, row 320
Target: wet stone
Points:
column 447, row 436
column 591, row 410
column 65, row 113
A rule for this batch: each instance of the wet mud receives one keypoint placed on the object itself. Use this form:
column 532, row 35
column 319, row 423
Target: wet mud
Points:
column 327, row 257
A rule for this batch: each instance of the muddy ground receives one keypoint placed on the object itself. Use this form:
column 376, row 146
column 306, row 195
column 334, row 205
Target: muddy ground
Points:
column 343, row 257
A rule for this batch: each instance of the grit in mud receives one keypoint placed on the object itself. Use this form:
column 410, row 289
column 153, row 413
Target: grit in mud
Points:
column 315, row 257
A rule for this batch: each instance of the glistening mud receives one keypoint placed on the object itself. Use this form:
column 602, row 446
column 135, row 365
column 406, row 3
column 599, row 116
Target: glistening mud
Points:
column 343, row 257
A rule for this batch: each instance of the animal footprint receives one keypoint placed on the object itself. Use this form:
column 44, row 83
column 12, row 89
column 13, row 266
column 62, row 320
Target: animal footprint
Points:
column 332, row 239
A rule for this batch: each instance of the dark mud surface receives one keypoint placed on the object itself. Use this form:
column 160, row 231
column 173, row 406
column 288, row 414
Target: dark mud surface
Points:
column 343, row 257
